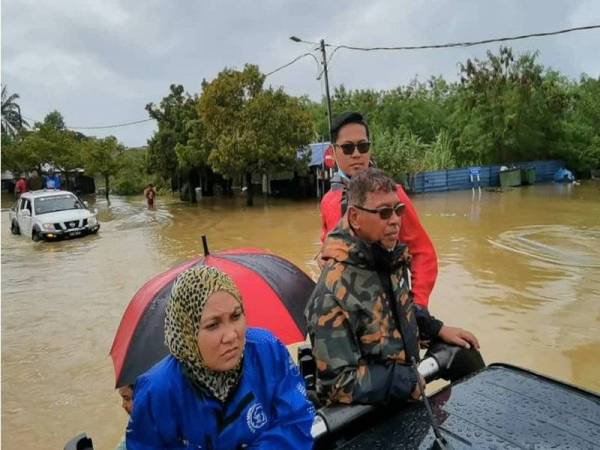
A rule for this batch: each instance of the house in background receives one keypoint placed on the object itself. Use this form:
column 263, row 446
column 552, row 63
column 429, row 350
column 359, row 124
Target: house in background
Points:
column 321, row 174
column 8, row 181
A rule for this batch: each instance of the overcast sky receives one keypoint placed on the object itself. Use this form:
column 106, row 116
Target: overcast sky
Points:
column 99, row 62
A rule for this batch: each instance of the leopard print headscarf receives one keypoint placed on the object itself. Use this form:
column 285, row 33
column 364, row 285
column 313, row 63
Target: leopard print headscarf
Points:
column 183, row 312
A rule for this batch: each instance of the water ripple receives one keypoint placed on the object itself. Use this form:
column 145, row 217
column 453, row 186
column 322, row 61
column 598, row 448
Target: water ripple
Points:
column 556, row 244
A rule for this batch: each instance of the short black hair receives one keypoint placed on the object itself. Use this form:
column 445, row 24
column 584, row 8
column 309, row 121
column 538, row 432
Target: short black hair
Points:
column 346, row 118
column 368, row 181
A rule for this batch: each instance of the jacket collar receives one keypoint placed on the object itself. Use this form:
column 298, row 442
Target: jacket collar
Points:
column 343, row 245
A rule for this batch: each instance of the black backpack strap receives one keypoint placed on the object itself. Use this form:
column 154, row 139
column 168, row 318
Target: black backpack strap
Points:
column 411, row 346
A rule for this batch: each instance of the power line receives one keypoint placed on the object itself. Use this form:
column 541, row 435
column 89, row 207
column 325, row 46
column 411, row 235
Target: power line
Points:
column 291, row 62
column 136, row 122
column 465, row 44
column 368, row 49
column 116, row 125
column 99, row 127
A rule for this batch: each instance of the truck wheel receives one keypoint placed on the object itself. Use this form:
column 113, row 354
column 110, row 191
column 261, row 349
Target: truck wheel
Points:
column 35, row 235
column 14, row 227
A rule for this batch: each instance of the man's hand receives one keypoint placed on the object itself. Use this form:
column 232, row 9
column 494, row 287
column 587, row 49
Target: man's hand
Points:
column 320, row 261
column 458, row 336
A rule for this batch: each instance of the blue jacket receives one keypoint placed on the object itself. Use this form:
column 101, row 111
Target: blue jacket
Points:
column 268, row 410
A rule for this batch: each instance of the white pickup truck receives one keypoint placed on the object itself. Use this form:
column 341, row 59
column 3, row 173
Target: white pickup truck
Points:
column 52, row 214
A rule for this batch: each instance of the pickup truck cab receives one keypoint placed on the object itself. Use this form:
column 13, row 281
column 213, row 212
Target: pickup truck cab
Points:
column 50, row 214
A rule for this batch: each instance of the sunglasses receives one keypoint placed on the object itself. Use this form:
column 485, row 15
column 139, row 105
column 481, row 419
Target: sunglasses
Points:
column 386, row 212
column 348, row 148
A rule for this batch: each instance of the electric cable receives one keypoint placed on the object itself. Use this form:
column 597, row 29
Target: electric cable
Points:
column 468, row 43
column 366, row 49
column 292, row 62
column 116, row 125
column 98, row 127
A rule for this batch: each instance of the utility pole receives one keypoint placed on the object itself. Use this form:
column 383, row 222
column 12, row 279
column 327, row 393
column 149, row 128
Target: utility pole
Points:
column 324, row 62
column 324, row 56
column 329, row 117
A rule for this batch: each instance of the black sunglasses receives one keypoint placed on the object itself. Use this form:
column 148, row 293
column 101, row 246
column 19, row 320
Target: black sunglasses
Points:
column 386, row 212
column 348, row 148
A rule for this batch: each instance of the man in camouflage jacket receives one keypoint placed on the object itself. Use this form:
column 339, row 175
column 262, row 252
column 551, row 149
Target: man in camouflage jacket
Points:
column 363, row 325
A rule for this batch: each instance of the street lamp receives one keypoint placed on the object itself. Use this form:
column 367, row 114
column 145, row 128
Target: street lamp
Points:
column 324, row 62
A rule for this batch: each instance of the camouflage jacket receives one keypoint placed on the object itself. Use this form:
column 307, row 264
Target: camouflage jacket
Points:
column 362, row 322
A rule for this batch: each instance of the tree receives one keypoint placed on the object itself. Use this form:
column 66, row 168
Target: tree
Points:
column 132, row 178
column 193, row 155
column 508, row 109
column 103, row 157
column 12, row 121
column 399, row 152
column 580, row 147
column 55, row 145
column 17, row 157
column 48, row 143
column 173, row 115
column 54, row 121
column 253, row 130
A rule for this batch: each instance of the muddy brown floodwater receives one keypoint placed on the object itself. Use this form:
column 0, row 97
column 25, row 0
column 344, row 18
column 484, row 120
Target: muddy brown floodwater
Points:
column 521, row 269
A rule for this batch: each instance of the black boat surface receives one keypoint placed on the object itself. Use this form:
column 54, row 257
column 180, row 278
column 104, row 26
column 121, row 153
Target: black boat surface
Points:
column 499, row 407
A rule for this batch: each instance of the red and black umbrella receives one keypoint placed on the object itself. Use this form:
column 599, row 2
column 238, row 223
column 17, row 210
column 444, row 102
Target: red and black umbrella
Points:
column 274, row 292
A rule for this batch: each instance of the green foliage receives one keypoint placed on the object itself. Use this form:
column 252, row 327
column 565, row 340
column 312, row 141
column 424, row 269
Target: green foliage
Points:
column 254, row 130
column 51, row 143
column 507, row 109
column 132, row 177
column 102, row 156
column 440, row 153
column 12, row 121
column 398, row 151
column 177, row 121
column 580, row 147
column 401, row 152
column 16, row 157
column 53, row 120
column 195, row 152
column 47, row 143
column 504, row 109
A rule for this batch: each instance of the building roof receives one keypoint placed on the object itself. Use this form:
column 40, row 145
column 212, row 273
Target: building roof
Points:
column 317, row 151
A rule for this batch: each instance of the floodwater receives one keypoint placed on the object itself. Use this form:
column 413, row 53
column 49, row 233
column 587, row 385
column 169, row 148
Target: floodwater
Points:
column 521, row 269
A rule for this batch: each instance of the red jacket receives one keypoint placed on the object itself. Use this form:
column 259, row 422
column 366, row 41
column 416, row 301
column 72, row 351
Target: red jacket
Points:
column 424, row 266
column 20, row 186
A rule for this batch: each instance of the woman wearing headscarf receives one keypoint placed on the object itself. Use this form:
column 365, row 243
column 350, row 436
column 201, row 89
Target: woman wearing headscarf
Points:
column 223, row 386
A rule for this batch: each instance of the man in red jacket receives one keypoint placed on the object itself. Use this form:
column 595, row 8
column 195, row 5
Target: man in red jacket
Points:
column 350, row 135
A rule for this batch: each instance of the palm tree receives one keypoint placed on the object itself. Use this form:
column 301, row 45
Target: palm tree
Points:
column 12, row 122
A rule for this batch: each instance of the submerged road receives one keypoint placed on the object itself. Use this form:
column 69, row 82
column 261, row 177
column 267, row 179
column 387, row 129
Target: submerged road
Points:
column 521, row 269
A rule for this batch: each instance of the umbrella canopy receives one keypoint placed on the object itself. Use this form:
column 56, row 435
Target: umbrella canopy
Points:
column 274, row 292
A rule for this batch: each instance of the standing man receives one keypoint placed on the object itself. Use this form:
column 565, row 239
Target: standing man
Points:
column 20, row 186
column 150, row 194
column 364, row 328
column 35, row 181
column 350, row 135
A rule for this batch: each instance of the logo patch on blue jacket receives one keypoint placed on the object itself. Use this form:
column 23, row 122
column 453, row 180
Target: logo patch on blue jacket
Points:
column 256, row 417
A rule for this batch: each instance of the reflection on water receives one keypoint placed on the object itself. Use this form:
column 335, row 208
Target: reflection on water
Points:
column 520, row 268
